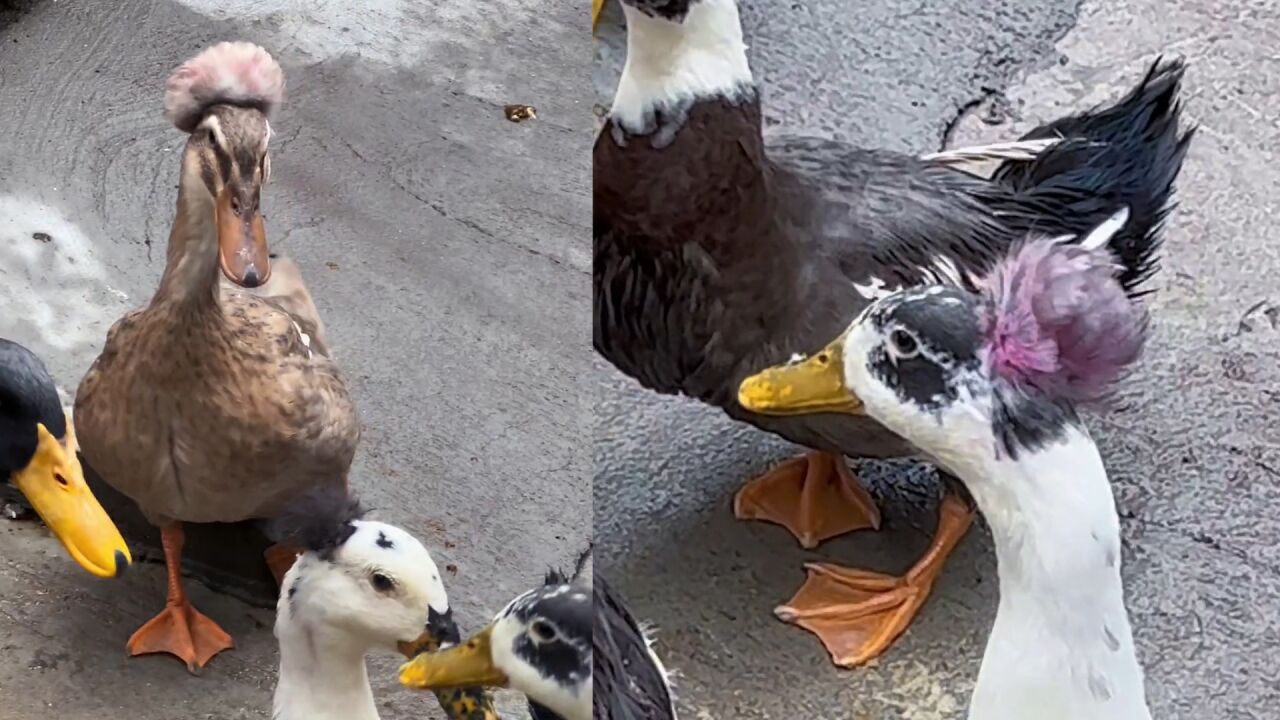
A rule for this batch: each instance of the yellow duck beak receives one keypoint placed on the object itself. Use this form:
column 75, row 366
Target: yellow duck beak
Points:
column 596, row 7
column 467, row 665
column 813, row 385
column 53, row 482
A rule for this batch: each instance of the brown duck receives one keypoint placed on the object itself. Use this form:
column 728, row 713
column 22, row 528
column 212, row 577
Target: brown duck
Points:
column 719, row 252
column 217, row 402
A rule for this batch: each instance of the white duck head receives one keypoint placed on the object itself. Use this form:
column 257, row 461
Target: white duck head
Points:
column 987, row 385
column 539, row 644
column 360, row 586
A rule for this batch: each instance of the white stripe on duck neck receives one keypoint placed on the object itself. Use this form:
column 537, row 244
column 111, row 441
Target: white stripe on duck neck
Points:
column 1061, row 646
column 669, row 63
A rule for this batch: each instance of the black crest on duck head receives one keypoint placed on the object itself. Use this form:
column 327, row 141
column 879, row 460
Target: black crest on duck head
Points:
column 319, row 521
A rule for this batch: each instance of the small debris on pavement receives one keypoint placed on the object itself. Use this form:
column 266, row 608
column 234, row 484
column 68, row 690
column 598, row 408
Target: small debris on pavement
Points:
column 42, row 237
column 520, row 113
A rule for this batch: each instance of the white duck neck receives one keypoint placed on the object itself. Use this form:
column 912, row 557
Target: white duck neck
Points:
column 322, row 674
column 1061, row 646
column 702, row 56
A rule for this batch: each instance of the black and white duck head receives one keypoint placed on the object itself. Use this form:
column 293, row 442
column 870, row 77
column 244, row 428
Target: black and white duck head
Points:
column 360, row 586
column 539, row 644
column 977, row 378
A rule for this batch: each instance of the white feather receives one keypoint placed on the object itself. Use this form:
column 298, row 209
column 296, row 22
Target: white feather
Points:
column 1020, row 150
column 1101, row 235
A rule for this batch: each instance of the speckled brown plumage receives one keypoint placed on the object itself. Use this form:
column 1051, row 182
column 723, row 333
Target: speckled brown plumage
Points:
column 207, row 405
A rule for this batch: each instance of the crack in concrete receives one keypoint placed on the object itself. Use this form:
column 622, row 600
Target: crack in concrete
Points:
column 1005, row 79
column 953, row 124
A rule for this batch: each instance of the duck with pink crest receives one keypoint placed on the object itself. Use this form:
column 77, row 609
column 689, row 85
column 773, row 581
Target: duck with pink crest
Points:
column 217, row 402
column 987, row 385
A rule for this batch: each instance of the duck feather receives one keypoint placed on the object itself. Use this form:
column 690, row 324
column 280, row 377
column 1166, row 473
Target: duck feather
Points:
column 719, row 251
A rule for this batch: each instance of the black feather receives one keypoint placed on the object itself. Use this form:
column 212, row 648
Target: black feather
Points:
column 1125, row 154
column 628, row 685
column 319, row 521
column 28, row 397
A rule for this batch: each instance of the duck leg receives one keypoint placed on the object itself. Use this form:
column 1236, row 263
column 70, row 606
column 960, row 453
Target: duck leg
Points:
column 179, row 629
column 280, row 557
column 815, row 496
column 858, row 614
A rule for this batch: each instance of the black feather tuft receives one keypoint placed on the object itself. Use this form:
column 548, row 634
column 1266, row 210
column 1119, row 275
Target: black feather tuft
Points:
column 555, row 576
column 319, row 521
column 1127, row 154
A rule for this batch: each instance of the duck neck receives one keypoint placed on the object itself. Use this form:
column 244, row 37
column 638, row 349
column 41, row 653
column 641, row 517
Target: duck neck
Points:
column 322, row 674
column 1061, row 641
column 684, row 131
column 190, row 279
column 672, row 61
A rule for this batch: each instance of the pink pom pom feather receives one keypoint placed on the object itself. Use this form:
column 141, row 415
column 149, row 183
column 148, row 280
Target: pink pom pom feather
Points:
column 1058, row 320
column 239, row 73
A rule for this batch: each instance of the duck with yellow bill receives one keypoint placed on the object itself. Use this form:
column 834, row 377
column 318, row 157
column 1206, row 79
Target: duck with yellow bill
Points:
column 539, row 644
column 38, row 457
column 987, row 384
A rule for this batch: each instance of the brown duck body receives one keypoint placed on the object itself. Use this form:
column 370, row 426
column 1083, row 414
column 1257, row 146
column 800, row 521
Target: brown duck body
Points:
column 213, row 404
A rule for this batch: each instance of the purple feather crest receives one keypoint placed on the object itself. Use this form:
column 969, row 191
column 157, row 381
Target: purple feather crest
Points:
column 1058, row 321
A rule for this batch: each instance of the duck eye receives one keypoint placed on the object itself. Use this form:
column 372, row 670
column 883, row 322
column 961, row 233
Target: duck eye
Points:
column 904, row 344
column 543, row 631
column 381, row 582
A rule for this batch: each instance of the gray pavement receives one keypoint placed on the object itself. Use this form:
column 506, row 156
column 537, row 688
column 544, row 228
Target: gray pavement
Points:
column 1194, row 454
column 446, row 249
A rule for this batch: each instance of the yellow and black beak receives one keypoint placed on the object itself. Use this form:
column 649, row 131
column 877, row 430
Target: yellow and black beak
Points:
column 813, row 385
column 53, row 482
column 467, row 665
column 242, row 237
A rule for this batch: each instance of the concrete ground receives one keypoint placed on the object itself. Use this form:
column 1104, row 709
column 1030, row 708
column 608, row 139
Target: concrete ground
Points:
column 1195, row 453
column 446, row 249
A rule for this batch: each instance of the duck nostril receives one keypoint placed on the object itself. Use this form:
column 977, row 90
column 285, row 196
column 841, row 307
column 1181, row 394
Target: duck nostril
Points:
column 235, row 204
column 60, row 479
column 251, row 278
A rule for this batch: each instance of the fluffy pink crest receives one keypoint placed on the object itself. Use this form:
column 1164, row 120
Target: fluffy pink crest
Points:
column 1058, row 321
column 238, row 73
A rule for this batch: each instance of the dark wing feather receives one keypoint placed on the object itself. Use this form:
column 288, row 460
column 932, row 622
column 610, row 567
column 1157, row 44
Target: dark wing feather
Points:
column 1128, row 153
column 628, row 685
